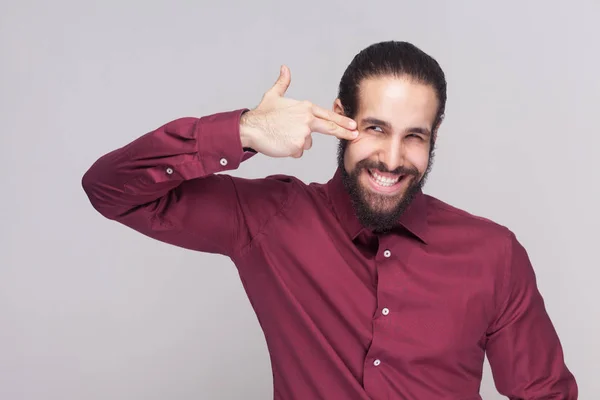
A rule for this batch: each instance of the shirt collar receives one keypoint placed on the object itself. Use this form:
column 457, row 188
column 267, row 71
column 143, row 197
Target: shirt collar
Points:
column 414, row 218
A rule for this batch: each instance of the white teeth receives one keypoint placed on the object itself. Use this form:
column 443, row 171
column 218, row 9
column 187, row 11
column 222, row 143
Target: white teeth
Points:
column 382, row 180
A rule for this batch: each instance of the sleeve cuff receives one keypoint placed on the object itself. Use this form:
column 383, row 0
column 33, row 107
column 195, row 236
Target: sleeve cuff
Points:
column 219, row 142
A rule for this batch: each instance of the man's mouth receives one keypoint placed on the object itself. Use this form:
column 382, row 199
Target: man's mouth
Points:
column 385, row 182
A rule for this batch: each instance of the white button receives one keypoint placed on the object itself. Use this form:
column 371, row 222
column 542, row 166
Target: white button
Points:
column 387, row 254
column 169, row 171
column 376, row 362
column 385, row 311
column 223, row 162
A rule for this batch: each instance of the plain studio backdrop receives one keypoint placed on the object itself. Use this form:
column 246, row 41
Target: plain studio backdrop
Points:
column 90, row 309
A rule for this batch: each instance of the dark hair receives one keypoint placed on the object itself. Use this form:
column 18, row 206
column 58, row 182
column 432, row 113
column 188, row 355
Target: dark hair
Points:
column 392, row 58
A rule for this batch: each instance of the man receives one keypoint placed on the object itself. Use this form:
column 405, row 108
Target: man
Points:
column 365, row 287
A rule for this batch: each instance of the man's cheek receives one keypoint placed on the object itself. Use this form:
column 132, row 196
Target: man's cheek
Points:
column 420, row 162
column 358, row 152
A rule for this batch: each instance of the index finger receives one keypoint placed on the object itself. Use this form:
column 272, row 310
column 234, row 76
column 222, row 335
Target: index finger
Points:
column 329, row 127
column 339, row 119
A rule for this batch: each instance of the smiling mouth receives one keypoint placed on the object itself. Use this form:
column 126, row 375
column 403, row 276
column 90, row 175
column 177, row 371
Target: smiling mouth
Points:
column 385, row 182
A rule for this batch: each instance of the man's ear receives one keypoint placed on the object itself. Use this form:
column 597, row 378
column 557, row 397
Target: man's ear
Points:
column 338, row 108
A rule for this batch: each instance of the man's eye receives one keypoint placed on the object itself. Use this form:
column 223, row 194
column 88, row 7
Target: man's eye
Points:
column 375, row 128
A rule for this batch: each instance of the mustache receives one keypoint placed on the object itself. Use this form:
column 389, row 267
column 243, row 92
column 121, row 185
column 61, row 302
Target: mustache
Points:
column 368, row 164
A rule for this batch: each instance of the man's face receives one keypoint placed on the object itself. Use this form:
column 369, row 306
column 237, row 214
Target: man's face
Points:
column 388, row 162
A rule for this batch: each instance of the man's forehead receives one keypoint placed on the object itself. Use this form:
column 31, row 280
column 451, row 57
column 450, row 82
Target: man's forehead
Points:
column 394, row 99
column 396, row 90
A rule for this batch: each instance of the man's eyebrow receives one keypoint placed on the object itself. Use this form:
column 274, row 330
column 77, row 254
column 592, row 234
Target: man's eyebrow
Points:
column 387, row 125
column 419, row 130
column 376, row 121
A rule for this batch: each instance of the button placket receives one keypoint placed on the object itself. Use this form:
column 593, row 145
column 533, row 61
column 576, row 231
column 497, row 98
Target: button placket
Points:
column 387, row 254
column 384, row 264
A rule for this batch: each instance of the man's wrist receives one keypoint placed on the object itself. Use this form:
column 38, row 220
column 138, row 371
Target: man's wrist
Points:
column 248, row 130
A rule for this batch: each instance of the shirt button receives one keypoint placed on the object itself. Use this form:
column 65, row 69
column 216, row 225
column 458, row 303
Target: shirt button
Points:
column 387, row 254
column 223, row 161
column 376, row 362
column 385, row 311
column 169, row 171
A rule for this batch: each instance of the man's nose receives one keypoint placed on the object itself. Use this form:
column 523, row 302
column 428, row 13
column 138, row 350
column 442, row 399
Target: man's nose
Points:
column 392, row 155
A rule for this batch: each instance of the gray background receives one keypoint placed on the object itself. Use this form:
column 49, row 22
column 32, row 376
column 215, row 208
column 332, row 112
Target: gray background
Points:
column 92, row 310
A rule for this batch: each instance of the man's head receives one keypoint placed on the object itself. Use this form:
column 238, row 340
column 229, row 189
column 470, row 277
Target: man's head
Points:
column 397, row 95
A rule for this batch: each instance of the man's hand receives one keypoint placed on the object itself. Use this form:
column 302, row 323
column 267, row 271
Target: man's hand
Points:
column 281, row 127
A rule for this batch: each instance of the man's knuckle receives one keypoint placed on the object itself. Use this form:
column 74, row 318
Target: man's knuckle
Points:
column 298, row 144
column 308, row 120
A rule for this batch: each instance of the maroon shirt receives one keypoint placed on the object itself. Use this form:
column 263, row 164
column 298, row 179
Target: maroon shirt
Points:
column 346, row 314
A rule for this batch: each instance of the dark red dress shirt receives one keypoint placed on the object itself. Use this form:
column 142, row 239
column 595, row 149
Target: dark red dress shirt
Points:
column 346, row 314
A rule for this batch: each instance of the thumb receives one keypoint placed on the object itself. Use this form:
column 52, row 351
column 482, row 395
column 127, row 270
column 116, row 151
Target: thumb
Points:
column 283, row 82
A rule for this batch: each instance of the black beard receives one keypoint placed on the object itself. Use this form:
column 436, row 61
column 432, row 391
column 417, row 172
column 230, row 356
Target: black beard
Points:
column 379, row 221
